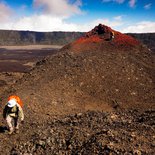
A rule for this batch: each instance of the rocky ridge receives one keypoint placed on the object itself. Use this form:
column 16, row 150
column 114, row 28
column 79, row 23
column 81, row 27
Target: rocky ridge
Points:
column 108, row 133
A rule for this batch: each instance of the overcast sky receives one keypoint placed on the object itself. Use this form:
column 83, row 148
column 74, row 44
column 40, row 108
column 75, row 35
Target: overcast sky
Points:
column 77, row 15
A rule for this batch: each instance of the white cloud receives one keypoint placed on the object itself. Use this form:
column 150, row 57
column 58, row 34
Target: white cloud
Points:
column 147, row 6
column 57, row 20
column 61, row 8
column 88, row 26
column 43, row 23
column 117, row 1
column 5, row 12
column 132, row 3
column 54, row 16
column 49, row 23
column 23, row 7
column 118, row 18
column 141, row 27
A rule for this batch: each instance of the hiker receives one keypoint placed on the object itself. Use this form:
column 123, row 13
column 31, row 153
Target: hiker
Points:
column 111, row 35
column 13, row 114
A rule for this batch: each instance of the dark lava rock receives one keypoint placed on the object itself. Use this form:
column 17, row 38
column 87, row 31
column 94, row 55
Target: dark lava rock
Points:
column 93, row 133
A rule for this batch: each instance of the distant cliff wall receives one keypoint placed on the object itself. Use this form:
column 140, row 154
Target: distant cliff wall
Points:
column 146, row 38
column 8, row 37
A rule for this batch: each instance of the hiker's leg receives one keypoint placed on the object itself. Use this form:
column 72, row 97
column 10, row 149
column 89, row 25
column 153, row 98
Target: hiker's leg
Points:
column 9, row 122
column 16, row 123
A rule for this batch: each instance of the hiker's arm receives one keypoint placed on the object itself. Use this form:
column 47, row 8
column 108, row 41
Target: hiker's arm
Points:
column 5, row 112
column 21, row 114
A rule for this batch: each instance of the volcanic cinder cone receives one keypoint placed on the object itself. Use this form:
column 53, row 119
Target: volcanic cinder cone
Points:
column 101, row 36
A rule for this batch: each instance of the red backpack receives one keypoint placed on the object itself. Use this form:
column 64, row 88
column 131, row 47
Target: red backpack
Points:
column 18, row 100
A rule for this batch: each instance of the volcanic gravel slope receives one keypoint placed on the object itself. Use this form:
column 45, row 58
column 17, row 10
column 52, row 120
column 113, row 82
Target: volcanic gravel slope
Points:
column 96, row 96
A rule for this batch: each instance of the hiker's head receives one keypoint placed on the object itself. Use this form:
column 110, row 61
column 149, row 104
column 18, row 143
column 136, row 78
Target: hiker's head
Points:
column 11, row 103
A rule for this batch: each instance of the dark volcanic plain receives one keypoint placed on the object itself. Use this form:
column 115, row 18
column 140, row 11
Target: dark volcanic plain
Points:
column 23, row 58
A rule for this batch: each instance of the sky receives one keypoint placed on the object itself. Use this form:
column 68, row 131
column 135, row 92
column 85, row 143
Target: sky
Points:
column 134, row 16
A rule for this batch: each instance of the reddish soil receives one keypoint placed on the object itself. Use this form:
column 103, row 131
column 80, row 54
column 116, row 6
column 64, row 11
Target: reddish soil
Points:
column 102, row 33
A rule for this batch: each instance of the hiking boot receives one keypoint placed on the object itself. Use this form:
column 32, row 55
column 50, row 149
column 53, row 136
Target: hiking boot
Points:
column 17, row 131
column 10, row 132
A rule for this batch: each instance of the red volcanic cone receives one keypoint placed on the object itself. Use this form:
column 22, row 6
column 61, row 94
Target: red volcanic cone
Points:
column 102, row 38
column 102, row 33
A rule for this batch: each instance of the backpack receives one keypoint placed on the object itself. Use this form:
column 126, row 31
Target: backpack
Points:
column 18, row 100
